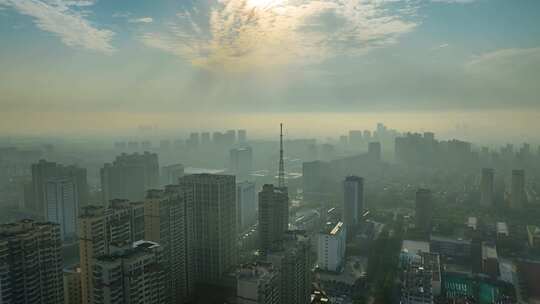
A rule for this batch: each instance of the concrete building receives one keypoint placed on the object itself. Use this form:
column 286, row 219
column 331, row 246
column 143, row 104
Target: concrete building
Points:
column 294, row 263
column 258, row 284
column 374, row 151
column 72, row 285
column 130, row 176
column 170, row 174
column 411, row 251
column 44, row 171
column 533, row 236
column 133, row 275
column 451, row 247
column 486, row 187
column 331, row 247
column 169, row 221
column 62, row 206
column 518, row 197
column 421, row 279
column 31, row 263
column 214, row 199
column 241, row 163
column 502, row 231
column 242, row 136
column 353, row 201
column 273, row 217
column 103, row 231
column 490, row 260
column 423, row 210
column 246, row 205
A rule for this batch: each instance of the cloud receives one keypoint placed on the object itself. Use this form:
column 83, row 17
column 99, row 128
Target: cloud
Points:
column 64, row 20
column 240, row 34
column 142, row 20
column 454, row 1
column 441, row 46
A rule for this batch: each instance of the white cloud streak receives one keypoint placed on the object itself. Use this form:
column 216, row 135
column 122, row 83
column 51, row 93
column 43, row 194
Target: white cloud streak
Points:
column 64, row 20
column 240, row 34
column 142, row 20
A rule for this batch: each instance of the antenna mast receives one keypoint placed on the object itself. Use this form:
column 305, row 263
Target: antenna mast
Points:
column 281, row 173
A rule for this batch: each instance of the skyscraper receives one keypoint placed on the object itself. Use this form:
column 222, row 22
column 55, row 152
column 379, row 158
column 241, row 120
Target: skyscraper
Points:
column 241, row 162
column 353, row 200
column 246, row 205
column 31, row 263
column 129, row 176
column 132, row 275
column 517, row 192
column 486, row 187
column 62, row 206
column 214, row 198
column 273, row 218
column 423, row 209
column 374, row 151
column 171, row 173
column 242, row 136
column 355, row 137
column 169, row 221
column 103, row 231
column 294, row 263
column 45, row 171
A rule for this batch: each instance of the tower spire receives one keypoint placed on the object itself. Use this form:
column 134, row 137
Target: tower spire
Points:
column 281, row 173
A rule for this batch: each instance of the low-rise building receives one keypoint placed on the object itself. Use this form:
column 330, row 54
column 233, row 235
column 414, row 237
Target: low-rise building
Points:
column 258, row 284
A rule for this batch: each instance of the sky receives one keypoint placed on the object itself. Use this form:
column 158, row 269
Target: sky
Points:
column 91, row 65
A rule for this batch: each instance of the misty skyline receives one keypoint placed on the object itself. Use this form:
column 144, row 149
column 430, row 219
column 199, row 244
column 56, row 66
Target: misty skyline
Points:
column 104, row 64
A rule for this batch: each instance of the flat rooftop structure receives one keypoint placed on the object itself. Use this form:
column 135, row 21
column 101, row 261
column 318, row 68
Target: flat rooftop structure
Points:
column 414, row 247
column 502, row 228
column 472, row 222
column 333, row 228
column 193, row 170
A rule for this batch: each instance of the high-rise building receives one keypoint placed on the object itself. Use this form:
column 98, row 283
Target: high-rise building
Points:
column 214, row 198
column 355, row 137
column 241, row 162
column 103, row 231
column 72, row 285
column 170, row 174
column 193, row 140
column 205, row 138
column 31, row 263
column 331, row 247
column 518, row 197
column 129, row 176
column 132, row 275
column 258, row 284
column 486, row 187
column 294, row 263
column 246, row 205
column 353, row 200
column 424, row 206
column 374, row 151
column 242, row 136
column 45, row 171
column 62, row 206
column 273, row 218
column 169, row 221
column 230, row 137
